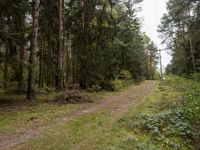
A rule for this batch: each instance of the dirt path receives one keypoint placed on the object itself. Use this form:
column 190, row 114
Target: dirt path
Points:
column 117, row 105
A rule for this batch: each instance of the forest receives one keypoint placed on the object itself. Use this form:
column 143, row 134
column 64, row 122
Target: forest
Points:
column 180, row 31
column 82, row 44
column 82, row 74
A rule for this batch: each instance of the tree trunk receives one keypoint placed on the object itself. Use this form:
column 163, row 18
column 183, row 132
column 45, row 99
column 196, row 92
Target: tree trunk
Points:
column 82, row 55
column 41, row 64
column 34, row 46
column 5, row 71
column 20, row 88
column 59, row 76
column 22, row 26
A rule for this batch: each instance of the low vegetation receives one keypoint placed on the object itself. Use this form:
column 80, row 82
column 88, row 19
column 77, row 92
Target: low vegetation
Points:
column 74, row 96
column 169, row 119
column 16, row 114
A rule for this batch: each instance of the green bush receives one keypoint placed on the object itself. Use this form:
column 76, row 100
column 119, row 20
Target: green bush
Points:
column 190, row 105
column 123, row 79
column 95, row 88
column 107, row 85
column 157, row 75
column 124, row 75
column 195, row 77
column 181, row 121
column 117, row 84
column 166, row 124
column 164, row 127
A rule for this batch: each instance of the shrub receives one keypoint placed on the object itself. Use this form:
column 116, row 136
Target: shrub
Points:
column 190, row 105
column 180, row 122
column 95, row 88
column 124, row 75
column 195, row 77
column 166, row 124
column 123, row 79
column 117, row 84
column 163, row 127
column 107, row 85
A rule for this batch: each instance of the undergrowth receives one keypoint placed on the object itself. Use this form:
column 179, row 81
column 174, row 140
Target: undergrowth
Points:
column 175, row 127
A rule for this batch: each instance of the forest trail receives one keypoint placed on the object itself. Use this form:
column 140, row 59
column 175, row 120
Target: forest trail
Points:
column 116, row 105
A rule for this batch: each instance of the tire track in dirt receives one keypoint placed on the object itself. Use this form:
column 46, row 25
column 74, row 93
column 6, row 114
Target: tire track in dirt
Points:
column 117, row 105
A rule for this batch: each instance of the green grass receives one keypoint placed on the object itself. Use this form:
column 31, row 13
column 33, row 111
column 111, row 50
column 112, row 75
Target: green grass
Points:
column 99, row 130
column 161, row 100
column 16, row 112
column 37, row 114
column 126, row 135
column 103, row 132
column 121, row 137
column 67, row 136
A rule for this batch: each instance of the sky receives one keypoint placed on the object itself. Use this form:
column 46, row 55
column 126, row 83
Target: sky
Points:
column 151, row 14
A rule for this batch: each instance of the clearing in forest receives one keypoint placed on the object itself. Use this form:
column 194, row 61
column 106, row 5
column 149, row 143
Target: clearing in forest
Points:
column 77, row 126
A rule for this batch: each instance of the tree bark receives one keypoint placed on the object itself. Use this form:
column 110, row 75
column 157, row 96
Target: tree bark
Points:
column 34, row 46
column 59, row 74
column 5, row 71
column 22, row 26
column 20, row 88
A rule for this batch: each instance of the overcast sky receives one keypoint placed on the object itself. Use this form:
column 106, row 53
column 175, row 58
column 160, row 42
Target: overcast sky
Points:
column 152, row 12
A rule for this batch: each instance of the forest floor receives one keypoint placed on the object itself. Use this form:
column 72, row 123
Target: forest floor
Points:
column 70, row 126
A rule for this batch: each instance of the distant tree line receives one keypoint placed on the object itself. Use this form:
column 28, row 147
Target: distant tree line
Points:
column 45, row 43
column 180, row 29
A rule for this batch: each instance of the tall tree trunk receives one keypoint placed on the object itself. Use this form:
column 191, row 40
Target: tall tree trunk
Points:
column 20, row 88
column 41, row 64
column 34, row 46
column 59, row 74
column 5, row 71
column 82, row 55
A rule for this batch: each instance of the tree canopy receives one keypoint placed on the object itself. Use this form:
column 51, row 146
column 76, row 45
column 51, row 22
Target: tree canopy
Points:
column 180, row 31
column 72, row 42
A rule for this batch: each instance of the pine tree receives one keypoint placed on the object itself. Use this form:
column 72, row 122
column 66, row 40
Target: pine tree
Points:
column 33, row 50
